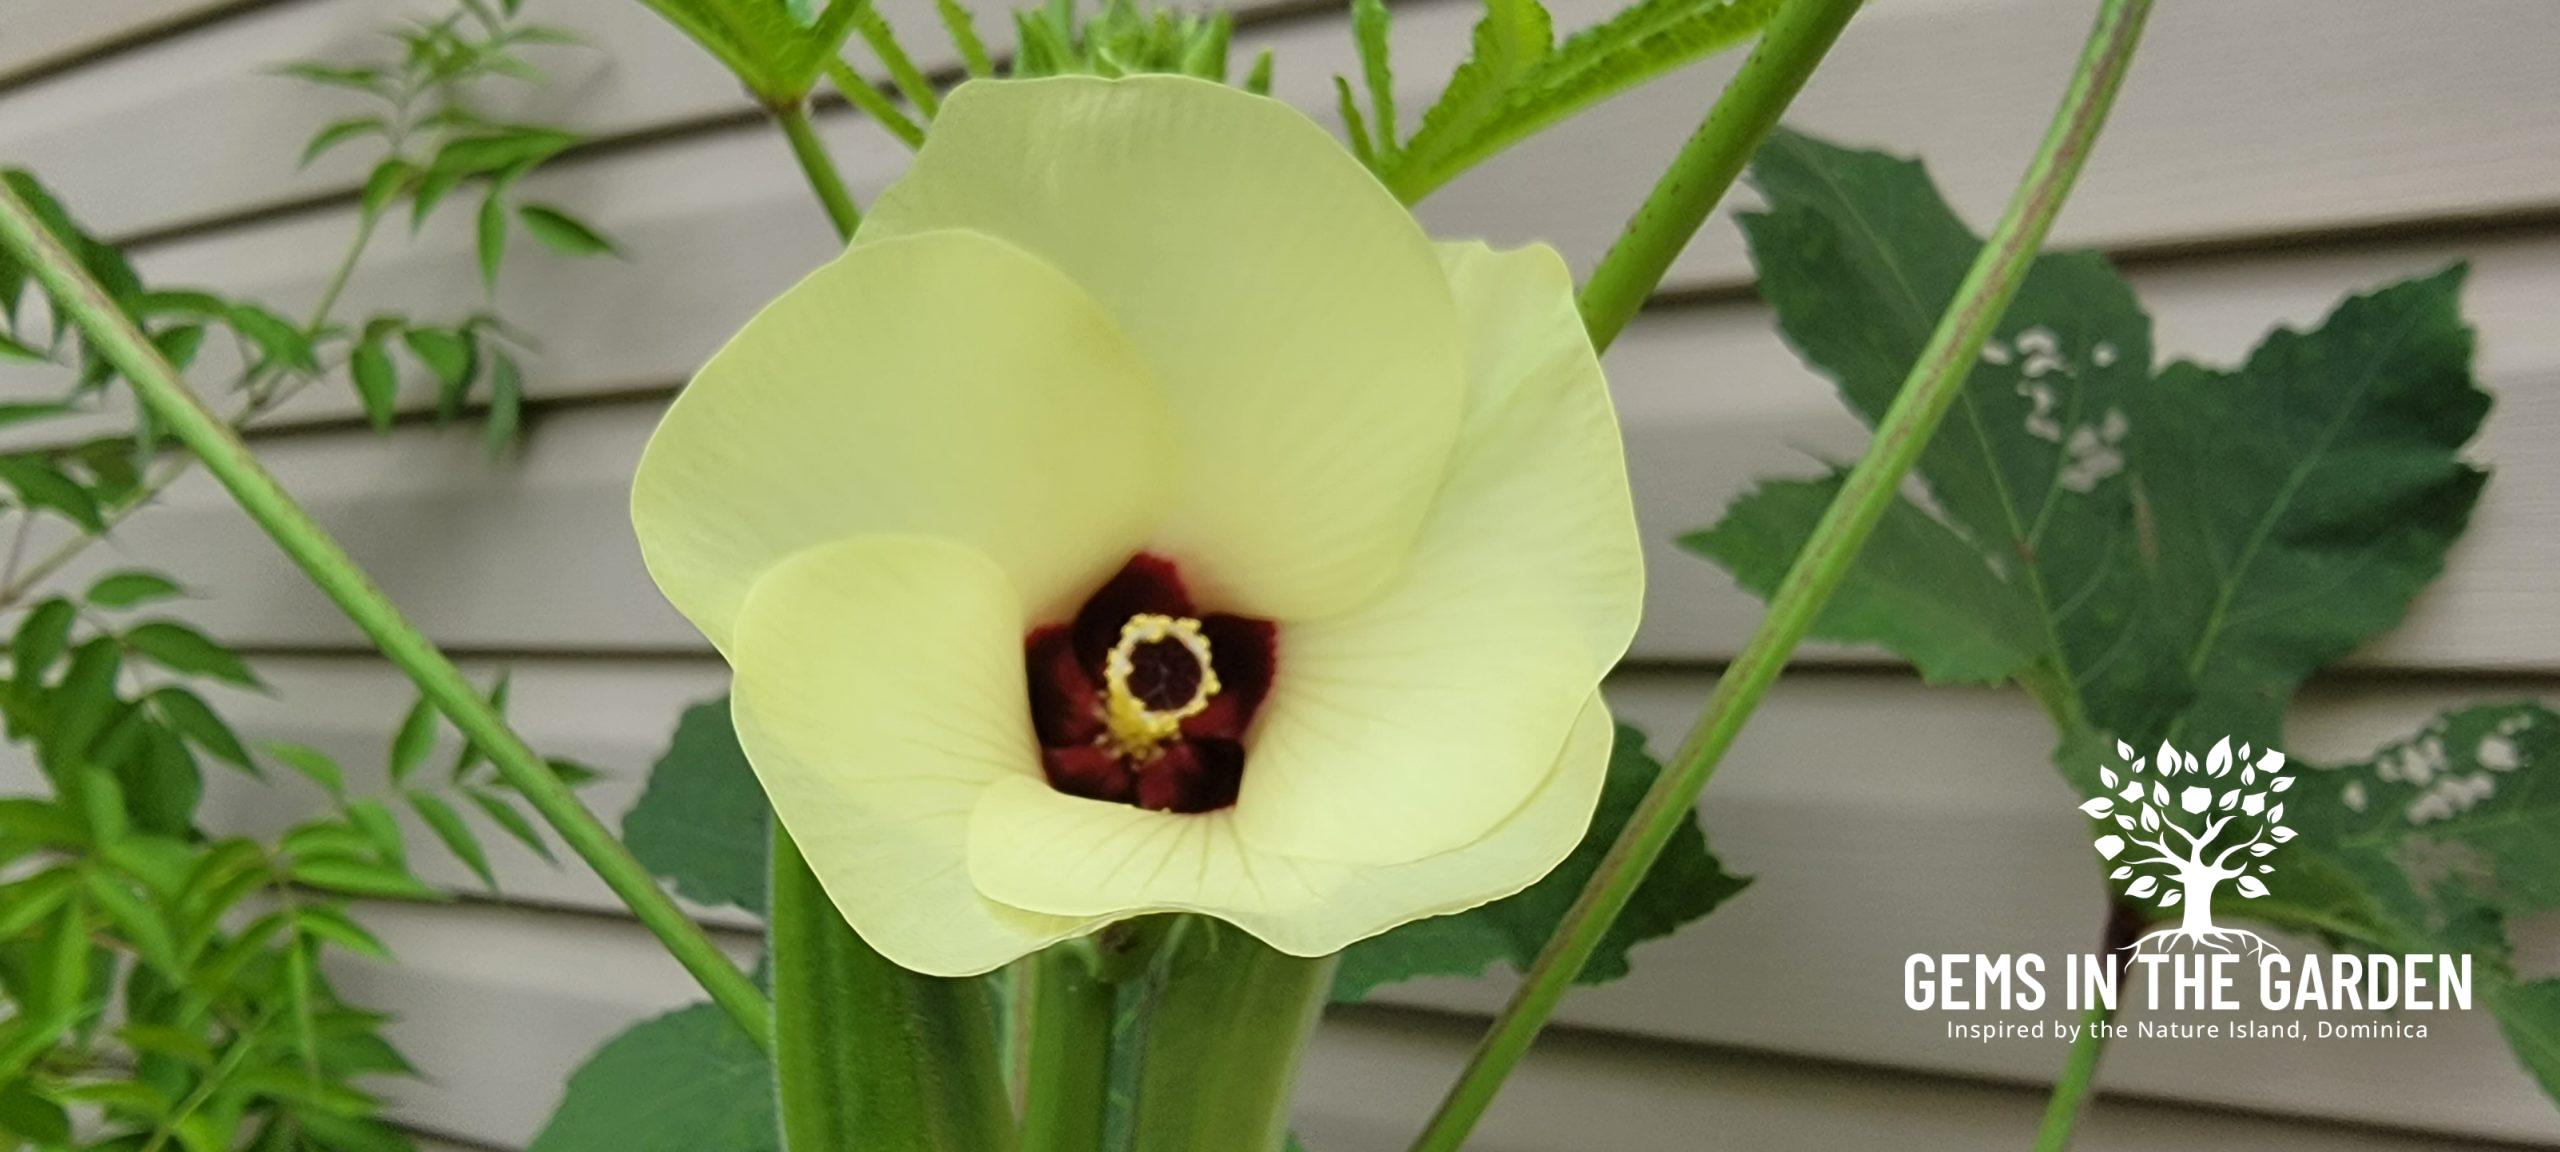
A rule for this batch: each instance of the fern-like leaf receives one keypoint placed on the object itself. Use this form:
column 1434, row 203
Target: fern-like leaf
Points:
column 1369, row 27
column 1512, row 85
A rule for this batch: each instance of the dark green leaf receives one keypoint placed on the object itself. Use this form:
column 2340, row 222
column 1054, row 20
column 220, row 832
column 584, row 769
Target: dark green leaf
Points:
column 138, row 922
column 180, row 648
column 333, row 926
column 187, row 713
column 20, row 413
column 702, row 824
column 377, row 384
column 385, row 184
column 128, row 588
column 683, row 1082
column 2189, row 545
column 1686, row 883
column 1514, row 84
column 448, row 827
column 378, row 825
column 312, row 764
column 1918, row 588
column 492, row 152
column 276, row 338
column 40, row 484
column 160, row 780
column 492, row 237
column 341, row 131
column 359, row 879
column 41, row 637
column 503, row 813
column 416, row 738
column 11, row 349
column 85, row 700
column 506, row 402
column 361, row 79
column 38, row 1119
column 562, row 232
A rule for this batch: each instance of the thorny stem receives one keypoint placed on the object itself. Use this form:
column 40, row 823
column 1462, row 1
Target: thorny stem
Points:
column 335, row 573
column 1794, row 42
column 1935, row 380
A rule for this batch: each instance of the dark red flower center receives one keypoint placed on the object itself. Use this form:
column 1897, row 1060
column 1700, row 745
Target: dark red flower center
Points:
column 1142, row 699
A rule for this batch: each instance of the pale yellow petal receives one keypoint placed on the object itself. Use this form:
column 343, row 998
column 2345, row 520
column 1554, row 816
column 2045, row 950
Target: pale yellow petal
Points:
column 1411, row 724
column 1038, row 848
column 879, row 695
column 947, row 384
column 1296, row 314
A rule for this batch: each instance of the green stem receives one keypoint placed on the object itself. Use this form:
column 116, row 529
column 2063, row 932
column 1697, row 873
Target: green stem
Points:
column 264, row 394
column 828, row 183
column 2079, row 1077
column 1227, row 1024
column 2078, row 1082
column 335, row 573
column 1068, row 1095
column 863, row 95
column 870, row 1055
column 1795, row 41
column 242, row 1044
column 1933, row 384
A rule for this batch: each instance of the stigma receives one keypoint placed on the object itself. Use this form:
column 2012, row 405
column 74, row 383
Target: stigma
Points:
column 1143, row 699
column 1159, row 675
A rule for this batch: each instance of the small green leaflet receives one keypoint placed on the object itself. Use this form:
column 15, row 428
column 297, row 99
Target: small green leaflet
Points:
column 1517, row 81
column 702, row 825
column 688, row 1081
column 562, row 232
column 2169, row 554
column 777, row 55
column 180, row 648
column 126, row 589
column 1685, row 884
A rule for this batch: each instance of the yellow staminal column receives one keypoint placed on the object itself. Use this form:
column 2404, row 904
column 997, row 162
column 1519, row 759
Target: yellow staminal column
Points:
column 1137, row 730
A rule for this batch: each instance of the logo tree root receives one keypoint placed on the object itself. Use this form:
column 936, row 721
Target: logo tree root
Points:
column 2184, row 829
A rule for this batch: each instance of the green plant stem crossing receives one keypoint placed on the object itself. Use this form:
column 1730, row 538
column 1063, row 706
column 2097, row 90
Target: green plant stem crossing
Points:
column 1707, row 165
column 1935, row 380
column 335, row 573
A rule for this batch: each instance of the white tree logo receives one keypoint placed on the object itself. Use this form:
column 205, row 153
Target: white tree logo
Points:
column 2189, row 827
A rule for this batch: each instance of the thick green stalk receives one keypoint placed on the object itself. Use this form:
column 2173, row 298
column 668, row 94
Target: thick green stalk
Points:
column 1935, row 380
column 1226, row 1026
column 2079, row 1080
column 1067, row 1096
column 2079, row 1077
column 824, row 180
column 871, row 1056
column 1795, row 41
column 330, row 568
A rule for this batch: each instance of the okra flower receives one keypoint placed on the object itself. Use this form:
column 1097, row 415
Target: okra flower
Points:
column 1144, row 515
